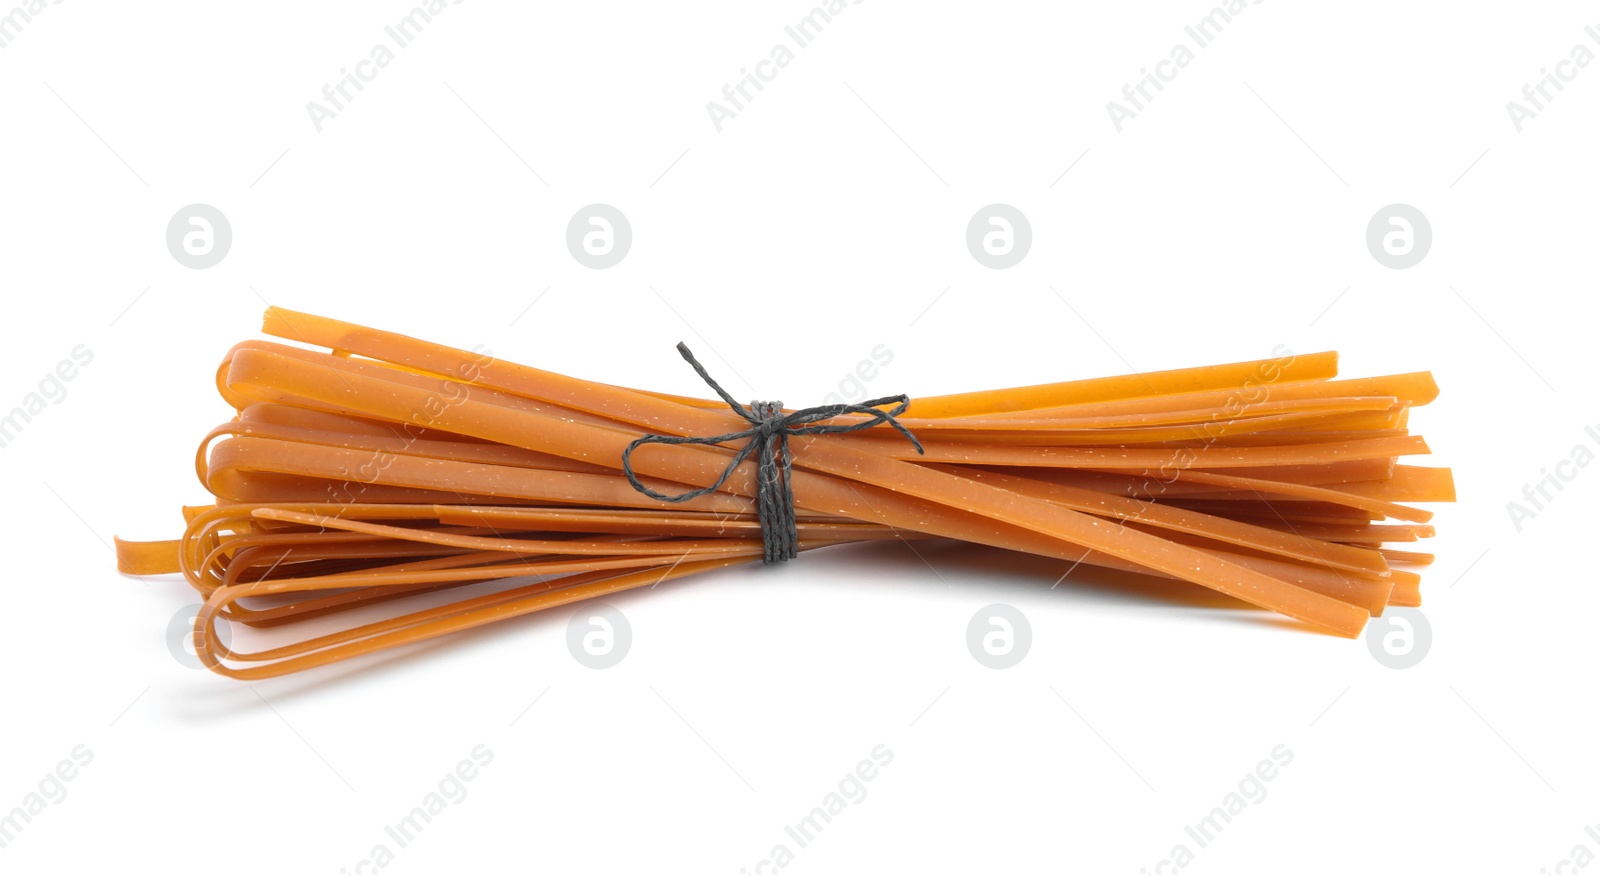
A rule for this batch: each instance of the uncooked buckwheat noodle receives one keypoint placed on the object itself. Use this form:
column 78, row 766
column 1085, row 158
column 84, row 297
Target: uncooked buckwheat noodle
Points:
column 376, row 490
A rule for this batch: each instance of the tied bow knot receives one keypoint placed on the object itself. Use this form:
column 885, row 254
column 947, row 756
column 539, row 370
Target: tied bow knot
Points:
column 768, row 438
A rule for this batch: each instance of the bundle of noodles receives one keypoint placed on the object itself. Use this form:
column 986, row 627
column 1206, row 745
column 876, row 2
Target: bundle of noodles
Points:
column 393, row 477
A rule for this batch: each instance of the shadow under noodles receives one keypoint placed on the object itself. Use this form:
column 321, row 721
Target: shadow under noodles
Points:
column 990, row 571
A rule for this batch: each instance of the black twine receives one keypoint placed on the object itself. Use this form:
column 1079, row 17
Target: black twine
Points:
column 768, row 434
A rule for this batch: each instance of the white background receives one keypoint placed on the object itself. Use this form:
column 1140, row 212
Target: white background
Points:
column 1226, row 218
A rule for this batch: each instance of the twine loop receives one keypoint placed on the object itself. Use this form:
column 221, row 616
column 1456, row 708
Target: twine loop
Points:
column 768, row 438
